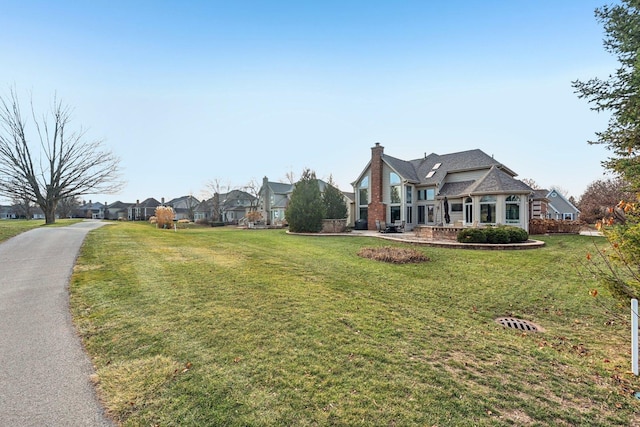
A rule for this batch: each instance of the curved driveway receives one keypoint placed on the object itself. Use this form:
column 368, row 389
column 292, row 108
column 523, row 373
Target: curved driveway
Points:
column 44, row 371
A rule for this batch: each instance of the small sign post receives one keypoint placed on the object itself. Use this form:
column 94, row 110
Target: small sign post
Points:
column 634, row 336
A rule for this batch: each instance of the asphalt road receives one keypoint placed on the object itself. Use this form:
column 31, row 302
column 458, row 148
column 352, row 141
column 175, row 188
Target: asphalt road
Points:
column 44, row 371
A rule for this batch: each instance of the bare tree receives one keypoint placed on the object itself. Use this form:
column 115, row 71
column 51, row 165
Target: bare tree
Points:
column 50, row 160
column 531, row 183
column 290, row 177
column 67, row 205
column 601, row 198
column 253, row 189
column 215, row 187
column 23, row 207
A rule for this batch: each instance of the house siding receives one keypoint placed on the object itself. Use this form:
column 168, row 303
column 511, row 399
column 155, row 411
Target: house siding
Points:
column 487, row 178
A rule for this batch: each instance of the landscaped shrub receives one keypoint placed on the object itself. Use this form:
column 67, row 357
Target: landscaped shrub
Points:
column 517, row 234
column 164, row 216
column 494, row 235
column 472, row 235
column 497, row 235
column 306, row 209
column 334, row 205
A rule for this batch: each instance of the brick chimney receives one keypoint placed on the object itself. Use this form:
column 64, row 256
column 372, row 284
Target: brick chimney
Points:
column 377, row 209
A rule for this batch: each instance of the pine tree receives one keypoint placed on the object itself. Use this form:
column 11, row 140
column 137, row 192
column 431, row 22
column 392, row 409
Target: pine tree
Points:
column 335, row 207
column 306, row 208
column 619, row 94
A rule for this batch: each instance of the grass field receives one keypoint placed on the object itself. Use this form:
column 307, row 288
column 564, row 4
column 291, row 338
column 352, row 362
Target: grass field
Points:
column 13, row 227
column 219, row 326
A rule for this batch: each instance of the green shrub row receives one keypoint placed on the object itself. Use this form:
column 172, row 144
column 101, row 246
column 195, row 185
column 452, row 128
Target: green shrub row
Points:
column 495, row 235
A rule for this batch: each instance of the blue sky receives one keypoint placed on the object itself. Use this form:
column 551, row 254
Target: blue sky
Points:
column 193, row 91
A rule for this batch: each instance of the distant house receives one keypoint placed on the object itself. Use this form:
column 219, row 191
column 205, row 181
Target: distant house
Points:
column 235, row 205
column 204, row 210
column 274, row 199
column 230, row 207
column 143, row 211
column 560, row 208
column 90, row 210
column 7, row 212
column 184, row 207
column 350, row 200
column 468, row 188
column 117, row 210
column 539, row 204
column 37, row 213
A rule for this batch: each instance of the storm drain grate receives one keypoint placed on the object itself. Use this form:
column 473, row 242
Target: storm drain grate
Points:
column 523, row 325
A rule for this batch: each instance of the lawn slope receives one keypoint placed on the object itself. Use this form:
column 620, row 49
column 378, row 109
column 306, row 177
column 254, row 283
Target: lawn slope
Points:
column 256, row 327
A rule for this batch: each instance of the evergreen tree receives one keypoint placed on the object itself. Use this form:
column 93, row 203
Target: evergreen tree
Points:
column 619, row 94
column 335, row 207
column 306, row 208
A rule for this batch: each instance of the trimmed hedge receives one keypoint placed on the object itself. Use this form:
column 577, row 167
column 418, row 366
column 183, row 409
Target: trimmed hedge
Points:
column 495, row 235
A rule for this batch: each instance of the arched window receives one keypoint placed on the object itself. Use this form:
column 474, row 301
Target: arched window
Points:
column 512, row 210
column 468, row 210
column 395, row 196
column 394, row 188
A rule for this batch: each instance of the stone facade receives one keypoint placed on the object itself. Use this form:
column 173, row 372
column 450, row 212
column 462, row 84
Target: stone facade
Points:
column 334, row 225
column 437, row 233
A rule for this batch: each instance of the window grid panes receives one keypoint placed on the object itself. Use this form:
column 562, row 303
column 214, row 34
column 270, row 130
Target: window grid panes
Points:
column 395, row 213
column 512, row 210
column 488, row 209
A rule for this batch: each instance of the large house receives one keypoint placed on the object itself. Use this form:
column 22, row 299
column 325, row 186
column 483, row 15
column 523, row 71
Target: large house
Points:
column 469, row 188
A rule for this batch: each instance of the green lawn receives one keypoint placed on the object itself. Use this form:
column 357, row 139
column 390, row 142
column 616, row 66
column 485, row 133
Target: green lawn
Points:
column 13, row 227
column 219, row 326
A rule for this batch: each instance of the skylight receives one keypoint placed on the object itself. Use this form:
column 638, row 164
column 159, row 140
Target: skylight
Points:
column 436, row 166
column 430, row 174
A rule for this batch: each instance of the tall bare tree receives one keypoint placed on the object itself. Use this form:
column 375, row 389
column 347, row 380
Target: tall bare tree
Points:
column 215, row 188
column 45, row 160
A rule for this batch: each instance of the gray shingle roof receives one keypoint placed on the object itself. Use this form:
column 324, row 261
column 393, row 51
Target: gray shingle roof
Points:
column 417, row 170
column 456, row 189
column 497, row 181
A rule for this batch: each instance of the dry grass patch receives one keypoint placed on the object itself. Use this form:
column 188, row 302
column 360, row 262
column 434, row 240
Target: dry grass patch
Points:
column 393, row 254
column 133, row 383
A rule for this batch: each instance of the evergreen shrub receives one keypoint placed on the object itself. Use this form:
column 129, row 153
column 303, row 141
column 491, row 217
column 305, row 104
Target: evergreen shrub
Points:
column 495, row 235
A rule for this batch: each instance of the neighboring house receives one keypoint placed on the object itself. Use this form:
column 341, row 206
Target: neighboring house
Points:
column 230, row 207
column 184, row 207
column 117, row 210
column 38, row 213
column 560, row 208
column 204, row 210
column 7, row 212
column 90, row 210
column 235, row 205
column 274, row 199
column 142, row 211
column 350, row 200
column 539, row 204
column 468, row 188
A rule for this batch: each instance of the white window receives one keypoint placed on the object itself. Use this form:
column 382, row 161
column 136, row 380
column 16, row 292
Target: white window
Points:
column 512, row 210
